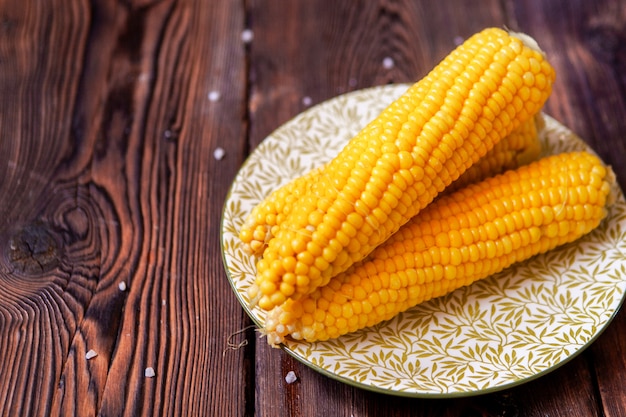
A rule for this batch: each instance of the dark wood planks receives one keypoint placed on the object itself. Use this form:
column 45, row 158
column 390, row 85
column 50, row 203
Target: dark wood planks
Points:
column 108, row 179
column 43, row 298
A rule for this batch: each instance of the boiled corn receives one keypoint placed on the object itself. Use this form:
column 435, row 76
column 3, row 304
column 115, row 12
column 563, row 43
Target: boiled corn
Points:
column 462, row 237
column 397, row 164
column 263, row 221
column 518, row 148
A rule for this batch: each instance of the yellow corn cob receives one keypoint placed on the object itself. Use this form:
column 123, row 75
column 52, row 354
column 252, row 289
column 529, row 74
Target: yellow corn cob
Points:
column 265, row 217
column 462, row 237
column 397, row 164
column 518, row 148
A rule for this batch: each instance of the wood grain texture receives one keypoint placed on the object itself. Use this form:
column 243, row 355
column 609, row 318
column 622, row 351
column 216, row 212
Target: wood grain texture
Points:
column 112, row 136
column 43, row 295
column 107, row 177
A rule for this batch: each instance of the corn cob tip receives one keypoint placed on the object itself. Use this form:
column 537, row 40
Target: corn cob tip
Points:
column 528, row 40
column 273, row 331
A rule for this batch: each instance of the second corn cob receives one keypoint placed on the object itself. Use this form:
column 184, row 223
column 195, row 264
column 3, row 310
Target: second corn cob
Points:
column 398, row 164
column 460, row 238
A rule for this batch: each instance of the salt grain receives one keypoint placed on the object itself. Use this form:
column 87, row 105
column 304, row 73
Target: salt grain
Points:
column 307, row 100
column 247, row 36
column 388, row 63
column 91, row 354
column 458, row 40
column 122, row 286
column 291, row 377
column 214, row 95
column 219, row 153
column 149, row 372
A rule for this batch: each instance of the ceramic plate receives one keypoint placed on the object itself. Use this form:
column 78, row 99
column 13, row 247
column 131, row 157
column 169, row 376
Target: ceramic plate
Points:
column 496, row 333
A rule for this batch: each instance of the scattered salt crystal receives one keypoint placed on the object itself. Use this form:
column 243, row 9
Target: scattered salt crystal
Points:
column 352, row 82
column 307, row 100
column 91, row 354
column 458, row 40
column 247, row 36
column 388, row 63
column 162, row 302
column 291, row 377
column 219, row 153
column 214, row 95
column 149, row 372
column 122, row 286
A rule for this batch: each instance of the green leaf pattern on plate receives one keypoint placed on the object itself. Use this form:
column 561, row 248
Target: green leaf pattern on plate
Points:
column 498, row 332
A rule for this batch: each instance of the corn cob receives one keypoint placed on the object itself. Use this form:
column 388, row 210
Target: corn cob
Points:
column 398, row 164
column 263, row 221
column 462, row 237
column 518, row 148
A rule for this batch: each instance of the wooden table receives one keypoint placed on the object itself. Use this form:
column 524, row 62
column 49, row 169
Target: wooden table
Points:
column 111, row 197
